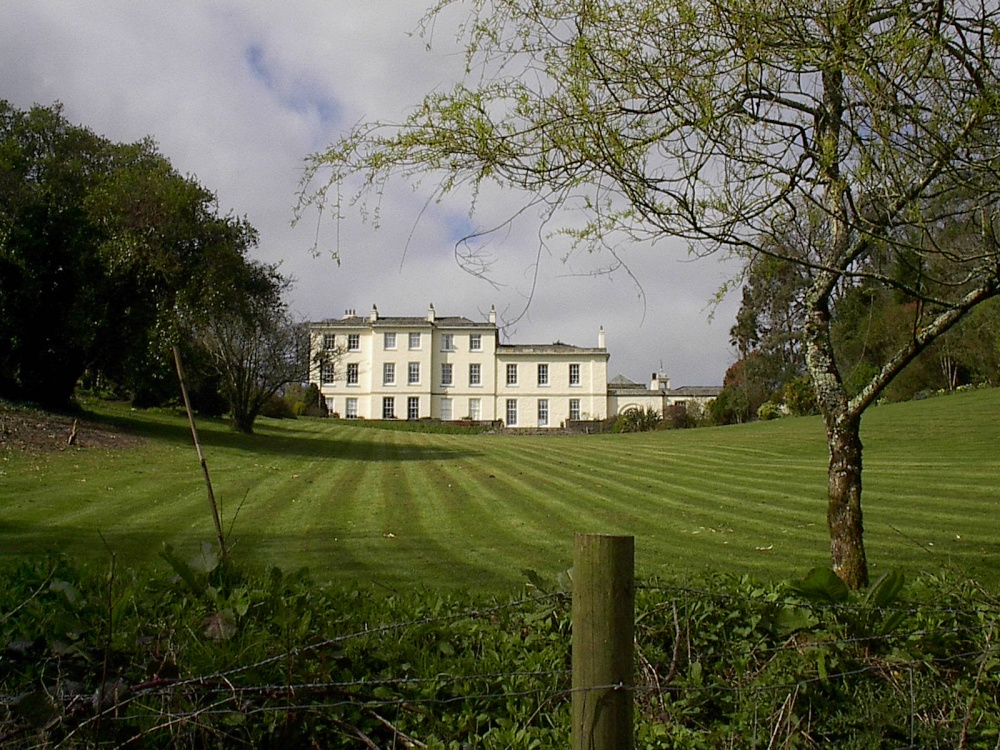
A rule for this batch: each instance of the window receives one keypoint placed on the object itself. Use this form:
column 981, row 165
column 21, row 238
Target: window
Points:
column 574, row 374
column 574, row 409
column 511, row 412
column 413, row 373
column 447, row 342
column 352, row 373
column 446, row 410
column 413, row 407
column 388, row 407
column 475, row 342
column 543, row 412
column 389, row 340
column 414, row 340
column 543, row 374
column 353, row 342
column 475, row 374
column 389, row 373
column 351, row 408
column 330, row 405
column 511, row 374
column 475, row 409
column 447, row 373
column 327, row 373
column 329, row 342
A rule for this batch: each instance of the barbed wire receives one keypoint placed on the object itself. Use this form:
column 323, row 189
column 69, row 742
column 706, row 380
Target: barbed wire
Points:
column 278, row 690
column 381, row 629
column 790, row 597
column 226, row 697
column 547, row 694
column 231, row 704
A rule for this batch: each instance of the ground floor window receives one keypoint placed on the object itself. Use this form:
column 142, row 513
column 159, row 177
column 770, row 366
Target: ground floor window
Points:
column 413, row 407
column 543, row 412
column 350, row 408
column 475, row 409
column 446, row 410
column 388, row 407
column 574, row 408
column 511, row 412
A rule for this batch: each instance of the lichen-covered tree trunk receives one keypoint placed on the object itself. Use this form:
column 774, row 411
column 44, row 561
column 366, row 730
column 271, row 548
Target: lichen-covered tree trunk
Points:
column 843, row 513
column 843, row 434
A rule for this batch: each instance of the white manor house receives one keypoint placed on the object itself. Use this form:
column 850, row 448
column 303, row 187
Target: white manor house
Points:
column 456, row 369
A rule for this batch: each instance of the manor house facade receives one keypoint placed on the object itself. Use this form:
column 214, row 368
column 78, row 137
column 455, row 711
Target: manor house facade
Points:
column 453, row 368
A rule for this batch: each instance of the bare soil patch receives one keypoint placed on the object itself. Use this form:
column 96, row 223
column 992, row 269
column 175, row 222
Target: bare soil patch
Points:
column 29, row 430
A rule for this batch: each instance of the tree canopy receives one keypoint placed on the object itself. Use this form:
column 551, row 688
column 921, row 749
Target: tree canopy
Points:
column 107, row 257
column 866, row 130
column 255, row 345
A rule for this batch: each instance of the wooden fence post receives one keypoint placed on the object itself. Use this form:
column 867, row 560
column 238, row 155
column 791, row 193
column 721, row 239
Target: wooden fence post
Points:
column 603, row 638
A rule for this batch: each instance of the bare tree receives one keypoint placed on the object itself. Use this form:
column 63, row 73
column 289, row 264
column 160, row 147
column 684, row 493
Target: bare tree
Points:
column 722, row 121
column 258, row 349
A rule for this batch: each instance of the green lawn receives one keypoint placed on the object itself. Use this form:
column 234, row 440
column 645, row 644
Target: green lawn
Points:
column 394, row 507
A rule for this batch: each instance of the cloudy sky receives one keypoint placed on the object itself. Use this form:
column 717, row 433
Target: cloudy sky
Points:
column 239, row 93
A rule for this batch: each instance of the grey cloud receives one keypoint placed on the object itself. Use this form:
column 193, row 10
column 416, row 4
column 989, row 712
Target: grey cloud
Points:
column 239, row 94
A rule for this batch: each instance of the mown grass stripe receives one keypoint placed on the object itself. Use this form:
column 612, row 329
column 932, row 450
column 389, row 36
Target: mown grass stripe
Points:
column 476, row 509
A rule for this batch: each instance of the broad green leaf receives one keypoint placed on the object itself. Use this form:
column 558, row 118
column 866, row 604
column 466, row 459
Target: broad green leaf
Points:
column 822, row 585
column 206, row 560
column 67, row 589
column 886, row 589
column 790, row 619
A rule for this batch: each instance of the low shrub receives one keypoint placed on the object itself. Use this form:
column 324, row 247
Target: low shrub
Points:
column 208, row 655
column 679, row 417
column 768, row 410
column 277, row 408
column 642, row 419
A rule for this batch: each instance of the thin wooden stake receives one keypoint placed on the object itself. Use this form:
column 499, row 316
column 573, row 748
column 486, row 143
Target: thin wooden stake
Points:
column 201, row 456
column 603, row 638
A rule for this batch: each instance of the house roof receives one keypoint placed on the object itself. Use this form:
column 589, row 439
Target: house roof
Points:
column 363, row 321
column 621, row 381
column 556, row 348
column 696, row 390
column 622, row 385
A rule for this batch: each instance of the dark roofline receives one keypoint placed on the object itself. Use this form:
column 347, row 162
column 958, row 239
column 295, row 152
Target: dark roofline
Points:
column 362, row 321
column 696, row 390
column 517, row 349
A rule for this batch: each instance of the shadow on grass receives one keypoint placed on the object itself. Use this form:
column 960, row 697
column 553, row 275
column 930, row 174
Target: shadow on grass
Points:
column 275, row 439
column 380, row 562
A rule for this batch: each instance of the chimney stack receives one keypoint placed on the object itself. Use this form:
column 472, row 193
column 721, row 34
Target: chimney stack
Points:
column 374, row 316
column 431, row 316
column 659, row 382
column 493, row 314
column 600, row 339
